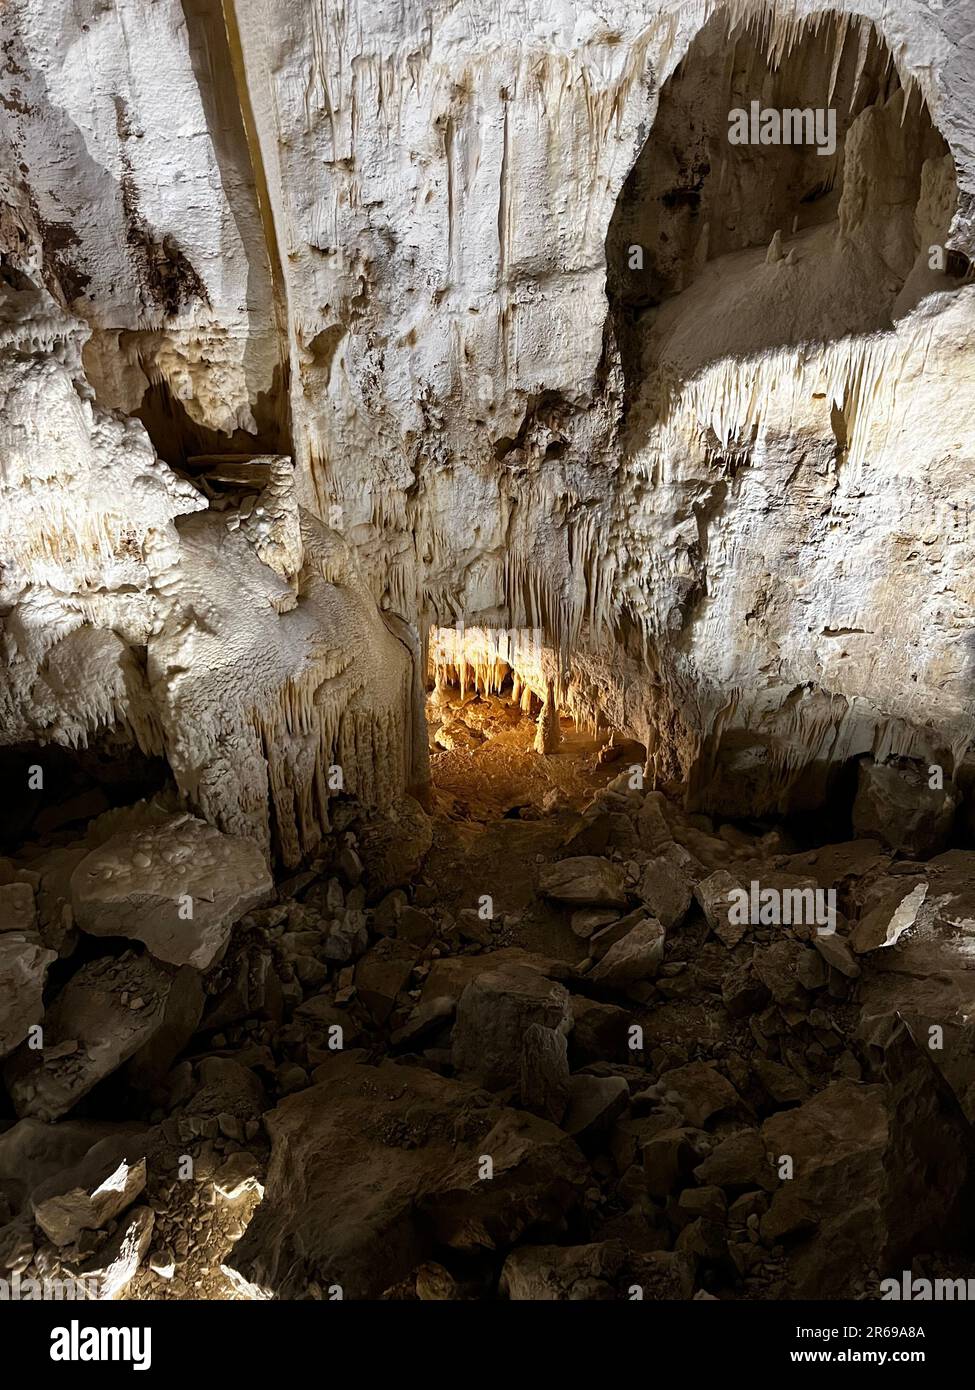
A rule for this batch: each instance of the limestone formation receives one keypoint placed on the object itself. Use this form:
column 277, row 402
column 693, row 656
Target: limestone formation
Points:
column 486, row 610
column 179, row 887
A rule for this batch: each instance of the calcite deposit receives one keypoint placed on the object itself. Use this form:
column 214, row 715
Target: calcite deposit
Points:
column 487, row 585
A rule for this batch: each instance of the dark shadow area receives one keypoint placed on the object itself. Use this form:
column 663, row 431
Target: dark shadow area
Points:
column 77, row 785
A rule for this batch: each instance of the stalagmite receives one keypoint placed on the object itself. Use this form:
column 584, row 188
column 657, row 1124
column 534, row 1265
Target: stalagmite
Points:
column 548, row 737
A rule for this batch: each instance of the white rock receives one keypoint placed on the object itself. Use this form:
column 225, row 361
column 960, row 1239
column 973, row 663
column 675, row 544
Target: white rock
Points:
column 64, row 1216
column 179, row 887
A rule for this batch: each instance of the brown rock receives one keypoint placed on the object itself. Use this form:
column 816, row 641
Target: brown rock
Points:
column 544, row 1084
column 585, row 881
column 714, row 894
column 144, row 883
column 375, row 1167
column 493, row 1016
column 382, row 973
column 703, row 1092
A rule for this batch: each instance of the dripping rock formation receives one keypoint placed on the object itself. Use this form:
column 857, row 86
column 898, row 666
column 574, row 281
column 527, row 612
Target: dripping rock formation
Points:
column 487, row 594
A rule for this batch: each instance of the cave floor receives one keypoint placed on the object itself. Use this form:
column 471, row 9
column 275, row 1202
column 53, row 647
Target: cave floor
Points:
column 428, row 943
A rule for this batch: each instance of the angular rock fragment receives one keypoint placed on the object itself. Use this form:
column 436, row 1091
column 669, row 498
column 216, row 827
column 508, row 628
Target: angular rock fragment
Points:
column 178, row 887
column 544, row 1082
column 703, row 1092
column 599, row 1031
column 667, row 1159
column 652, row 825
column 493, row 1017
column 17, row 908
column 895, row 804
column 854, row 1180
column 588, row 920
column 383, row 973
column 114, row 1266
column 375, row 1167
column 393, row 846
column 636, row 957
column 889, row 920
column 433, row 1283
column 833, row 866
column 109, row 1012
column 715, row 895
column 595, row 1102
column 415, row 926
column 452, row 974
column 667, row 887
column 33, row 1153
column 347, row 937
column 88, row 1202
column 743, row 992
column 427, row 1018
column 781, row 1083
column 837, row 954
column 538, row 1175
column 740, row 1161
column 585, row 881
column 24, row 964
column 605, row 937
column 777, row 967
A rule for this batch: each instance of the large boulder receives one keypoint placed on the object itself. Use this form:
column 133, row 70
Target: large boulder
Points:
column 865, row 1184
column 178, row 887
column 894, row 803
column 494, row 1015
column 376, row 1169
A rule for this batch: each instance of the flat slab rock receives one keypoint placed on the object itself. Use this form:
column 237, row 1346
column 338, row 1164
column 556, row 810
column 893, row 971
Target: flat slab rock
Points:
column 636, row 956
column 144, row 883
column 112, row 1010
column 584, row 881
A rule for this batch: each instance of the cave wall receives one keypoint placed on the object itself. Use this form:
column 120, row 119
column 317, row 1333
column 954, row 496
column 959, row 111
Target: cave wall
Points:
column 378, row 242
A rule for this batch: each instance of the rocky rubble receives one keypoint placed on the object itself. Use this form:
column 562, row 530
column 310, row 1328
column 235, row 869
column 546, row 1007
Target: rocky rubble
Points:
column 338, row 1089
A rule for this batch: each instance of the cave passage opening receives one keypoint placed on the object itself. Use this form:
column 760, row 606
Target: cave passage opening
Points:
column 506, row 738
column 53, row 791
column 720, row 249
